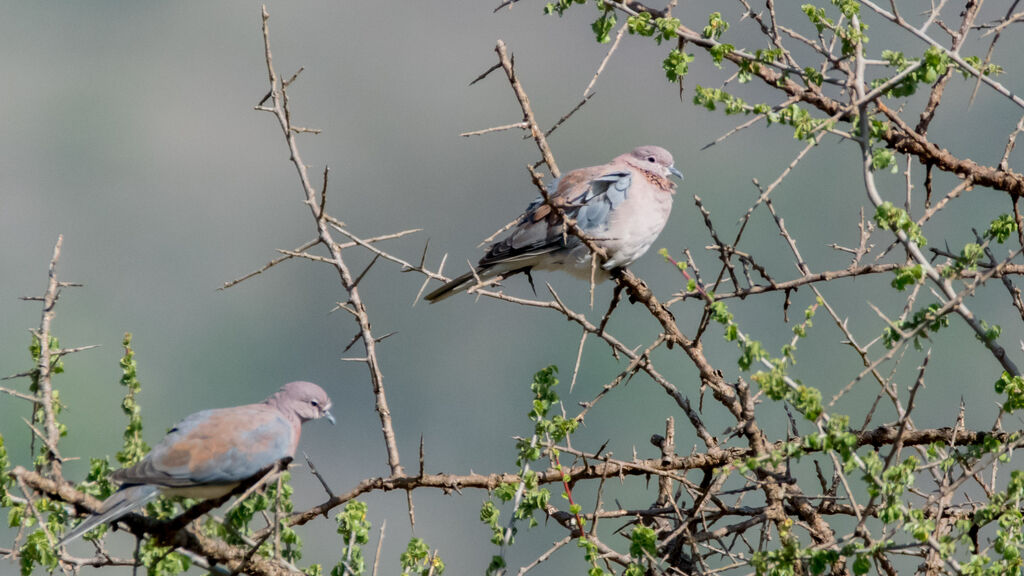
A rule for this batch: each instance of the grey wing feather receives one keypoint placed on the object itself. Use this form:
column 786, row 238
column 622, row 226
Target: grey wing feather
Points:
column 590, row 209
column 120, row 503
column 604, row 195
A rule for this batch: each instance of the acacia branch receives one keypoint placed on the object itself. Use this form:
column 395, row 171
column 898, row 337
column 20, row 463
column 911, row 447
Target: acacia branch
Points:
column 279, row 107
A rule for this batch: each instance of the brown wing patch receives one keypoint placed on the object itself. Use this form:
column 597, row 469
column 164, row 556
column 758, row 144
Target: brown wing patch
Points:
column 571, row 185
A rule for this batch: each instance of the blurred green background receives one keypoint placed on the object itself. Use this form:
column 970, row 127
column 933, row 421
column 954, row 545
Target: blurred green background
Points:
column 129, row 128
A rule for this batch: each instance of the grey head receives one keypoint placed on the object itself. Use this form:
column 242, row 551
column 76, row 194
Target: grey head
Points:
column 305, row 400
column 654, row 159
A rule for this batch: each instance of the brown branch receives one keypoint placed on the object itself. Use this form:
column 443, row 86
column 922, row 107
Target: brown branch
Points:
column 508, row 65
column 279, row 99
column 44, row 367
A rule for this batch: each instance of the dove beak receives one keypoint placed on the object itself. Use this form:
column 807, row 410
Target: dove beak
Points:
column 675, row 172
column 329, row 416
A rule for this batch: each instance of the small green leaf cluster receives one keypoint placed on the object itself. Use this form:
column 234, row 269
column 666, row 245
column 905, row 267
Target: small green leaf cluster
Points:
column 889, row 217
column 592, row 555
column 751, row 351
column 884, row 159
column 818, row 17
column 1004, row 509
column 927, row 317
column 720, row 313
column 985, row 69
column 990, row 332
column 676, row 64
column 804, row 125
column 813, row 76
column 838, row 438
column 292, row 544
column 934, row 64
column 237, row 520
column 783, row 560
column 354, row 529
column 889, row 483
column 602, row 27
column 135, row 448
column 849, row 35
column 918, row 525
column 907, row 276
column 1013, row 387
column 417, row 559
column 534, row 498
column 97, row 483
column 991, row 444
column 1001, row 228
column 37, row 550
column 881, row 158
column 749, row 67
column 491, row 516
column 554, row 429
column 642, row 540
column 162, row 560
column 968, row 259
column 39, row 414
column 710, row 98
column 660, row 28
column 560, row 6
column 716, row 26
column 718, row 52
column 6, row 481
column 681, row 265
column 800, row 330
column 806, row 399
column 786, row 560
column 496, row 566
column 36, row 350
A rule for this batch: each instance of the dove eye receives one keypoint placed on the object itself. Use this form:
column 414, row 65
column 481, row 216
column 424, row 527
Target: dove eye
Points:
column 314, row 402
column 650, row 159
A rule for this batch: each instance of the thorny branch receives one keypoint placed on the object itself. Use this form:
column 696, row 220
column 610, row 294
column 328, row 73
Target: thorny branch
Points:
column 279, row 108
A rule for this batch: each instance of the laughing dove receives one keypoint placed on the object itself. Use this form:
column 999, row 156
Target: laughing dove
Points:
column 622, row 205
column 209, row 453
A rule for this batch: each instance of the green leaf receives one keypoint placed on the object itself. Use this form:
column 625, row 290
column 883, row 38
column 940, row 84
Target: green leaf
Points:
column 1001, row 228
column 889, row 217
column 134, row 447
column 603, row 26
column 907, row 276
column 677, row 64
column 417, row 559
column 861, row 564
column 1013, row 388
column 716, row 26
column 641, row 540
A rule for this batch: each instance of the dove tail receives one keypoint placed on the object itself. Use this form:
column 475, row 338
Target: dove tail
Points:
column 120, row 503
column 460, row 284
column 463, row 283
column 500, row 270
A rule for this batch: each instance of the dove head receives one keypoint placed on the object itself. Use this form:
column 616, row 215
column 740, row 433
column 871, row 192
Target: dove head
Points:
column 654, row 159
column 303, row 400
